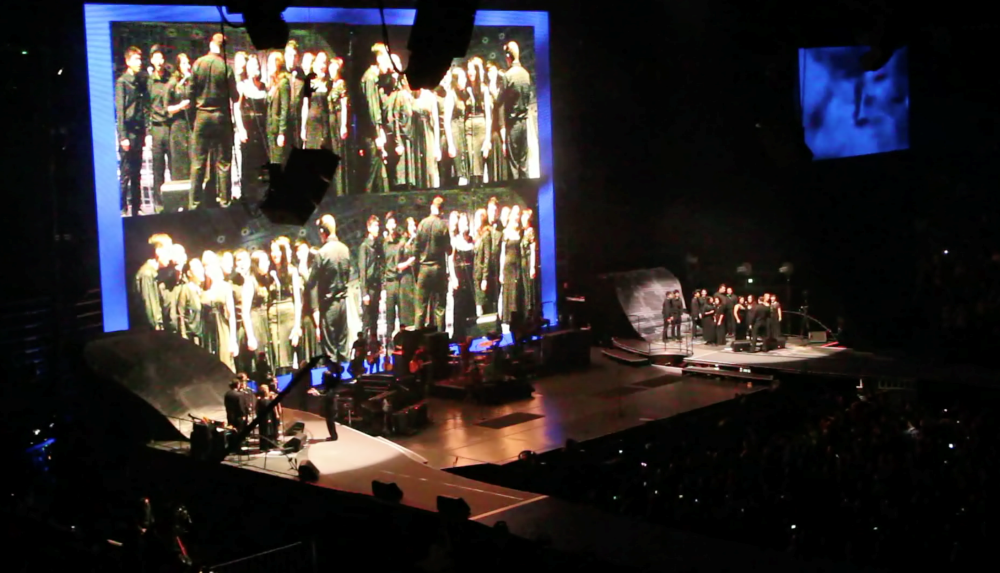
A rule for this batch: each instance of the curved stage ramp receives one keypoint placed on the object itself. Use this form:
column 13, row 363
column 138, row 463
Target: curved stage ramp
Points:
column 158, row 380
column 635, row 299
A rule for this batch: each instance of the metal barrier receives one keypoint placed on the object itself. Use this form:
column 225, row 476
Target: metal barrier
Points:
column 804, row 322
column 295, row 558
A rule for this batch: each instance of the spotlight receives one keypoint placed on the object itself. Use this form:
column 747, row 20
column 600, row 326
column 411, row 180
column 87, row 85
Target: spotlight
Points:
column 263, row 22
column 442, row 31
column 295, row 191
column 787, row 269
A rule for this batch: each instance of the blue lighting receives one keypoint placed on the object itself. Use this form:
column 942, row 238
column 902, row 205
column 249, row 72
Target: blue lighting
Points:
column 100, row 69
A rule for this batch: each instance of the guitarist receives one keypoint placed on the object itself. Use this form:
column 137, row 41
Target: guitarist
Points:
column 359, row 354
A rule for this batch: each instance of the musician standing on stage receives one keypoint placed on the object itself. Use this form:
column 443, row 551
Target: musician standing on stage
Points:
column 392, row 244
column 668, row 315
column 697, row 302
column 236, row 406
column 331, row 397
column 332, row 271
column 370, row 261
column 676, row 314
column 373, row 86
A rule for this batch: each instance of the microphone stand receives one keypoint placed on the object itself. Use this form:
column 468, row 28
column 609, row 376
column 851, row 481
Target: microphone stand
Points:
column 301, row 375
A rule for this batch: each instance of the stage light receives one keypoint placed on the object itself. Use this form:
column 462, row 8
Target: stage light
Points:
column 946, row 251
column 442, row 31
column 263, row 22
column 750, row 281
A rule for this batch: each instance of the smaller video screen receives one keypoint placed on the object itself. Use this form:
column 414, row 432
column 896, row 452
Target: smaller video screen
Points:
column 847, row 111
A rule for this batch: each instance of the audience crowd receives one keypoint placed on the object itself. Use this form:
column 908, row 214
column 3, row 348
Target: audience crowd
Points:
column 887, row 479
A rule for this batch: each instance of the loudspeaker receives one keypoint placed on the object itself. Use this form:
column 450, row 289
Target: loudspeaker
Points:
column 781, row 342
column 174, row 195
column 437, row 349
column 453, row 508
column 408, row 341
column 741, row 346
column 296, row 429
column 308, row 472
column 388, row 492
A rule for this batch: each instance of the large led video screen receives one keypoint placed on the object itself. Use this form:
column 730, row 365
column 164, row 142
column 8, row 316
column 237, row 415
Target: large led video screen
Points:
column 847, row 111
column 440, row 213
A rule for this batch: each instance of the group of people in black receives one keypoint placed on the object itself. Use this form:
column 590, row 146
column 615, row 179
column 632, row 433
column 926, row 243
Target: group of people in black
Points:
column 263, row 310
column 724, row 316
column 195, row 117
column 242, row 406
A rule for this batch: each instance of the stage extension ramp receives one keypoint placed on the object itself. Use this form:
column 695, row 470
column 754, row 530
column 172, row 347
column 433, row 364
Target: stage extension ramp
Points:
column 172, row 377
column 641, row 294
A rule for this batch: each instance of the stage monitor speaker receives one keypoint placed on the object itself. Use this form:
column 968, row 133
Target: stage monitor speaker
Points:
column 174, row 195
column 741, row 346
column 387, row 492
column 437, row 344
column 781, row 342
column 308, row 472
column 296, row 429
column 453, row 508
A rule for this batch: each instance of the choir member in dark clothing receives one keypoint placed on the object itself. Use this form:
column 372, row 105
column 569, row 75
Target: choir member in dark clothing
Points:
column 463, row 278
column 131, row 111
column 148, row 286
column 392, row 244
column 279, row 113
column 774, row 325
column 330, row 393
column 189, row 302
column 516, row 99
column 359, row 352
column 305, row 261
column 483, row 270
column 740, row 317
column 236, row 410
column 372, row 122
column 730, row 317
column 677, row 312
column 720, row 321
column 337, row 100
column 316, row 107
column 159, row 120
column 179, row 108
column 478, row 113
column 407, row 270
column 329, row 289
column 454, row 121
column 213, row 92
column 708, row 311
column 668, row 315
column 697, row 302
column 296, row 81
column 529, row 264
column 433, row 247
column 511, row 282
column 284, row 307
column 497, row 168
column 256, row 294
column 251, row 125
column 370, row 272
column 171, row 279
column 761, row 316
column 426, row 143
column 496, row 231
column 399, row 119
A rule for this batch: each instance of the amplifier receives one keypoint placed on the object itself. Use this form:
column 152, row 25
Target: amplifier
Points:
column 175, row 195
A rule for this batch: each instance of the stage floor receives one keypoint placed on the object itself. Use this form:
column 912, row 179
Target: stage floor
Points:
column 605, row 399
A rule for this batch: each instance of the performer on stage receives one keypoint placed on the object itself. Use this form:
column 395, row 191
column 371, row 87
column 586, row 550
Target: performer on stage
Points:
column 331, row 397
column 392, row 245
column 213, row 92
column 305, row 261
column 774, row 325
column 478, row 113
column 454, row 121
column 407, row 268
column 148, row 281
column 279, row 113
column 296, row 81
column 510, row 268
column 159, row 121
column 252, row 129
column 219, row 312
column 463, row 284
column 316, row 107
column 179, row 109
column 529, row 264
column 235, row 403
column 339, row 123
column 730, row 316
column 496, row 232
column 720, row 321
column 483, row 275
column 170, row 282
column 760, row 315
column 131, row 108
column 740, row 316
column 433, row 246
column 373, row 126
column 697, row 303
column 516, row 99
column 329, row 289
column 370, row 270
column 708, row 310
column 497, row 168
column 284, row 310
column 256, row 295
column 426, row 143
column 269, row 423
column 359, row 352
column 189, row 302
column 668, row 315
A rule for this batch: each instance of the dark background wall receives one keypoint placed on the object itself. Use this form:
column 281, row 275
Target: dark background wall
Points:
column 657, row 153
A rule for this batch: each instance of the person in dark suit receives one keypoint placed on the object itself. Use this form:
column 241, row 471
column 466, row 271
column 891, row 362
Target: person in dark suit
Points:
column 131, row 115
column 236, row 406
column 676, row 315
column 668, row 315
column 328, row 289
column 330, row 393
column 433, row 247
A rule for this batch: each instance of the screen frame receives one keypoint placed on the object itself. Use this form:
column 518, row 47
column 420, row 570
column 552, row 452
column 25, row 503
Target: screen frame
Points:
column 100, row 74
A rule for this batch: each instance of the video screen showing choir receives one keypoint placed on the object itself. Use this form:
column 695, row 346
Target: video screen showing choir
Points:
column 199, row 113
column 267, row 304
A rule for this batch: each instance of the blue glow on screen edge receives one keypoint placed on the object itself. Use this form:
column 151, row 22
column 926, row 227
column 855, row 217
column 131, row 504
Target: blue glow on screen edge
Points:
column 100, row 73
